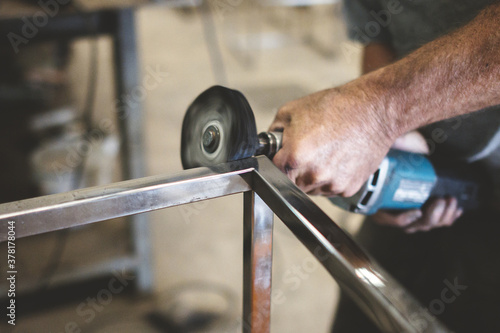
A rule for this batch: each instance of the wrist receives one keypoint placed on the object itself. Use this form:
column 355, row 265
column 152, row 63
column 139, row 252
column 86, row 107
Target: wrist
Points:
column 380, row 105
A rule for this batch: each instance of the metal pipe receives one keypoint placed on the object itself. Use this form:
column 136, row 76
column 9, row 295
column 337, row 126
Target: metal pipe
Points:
column 257, row 264
column 382, row 298
column 65, row 210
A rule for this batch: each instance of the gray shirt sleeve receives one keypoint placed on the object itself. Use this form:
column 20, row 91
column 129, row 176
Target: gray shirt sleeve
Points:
column 365, row 21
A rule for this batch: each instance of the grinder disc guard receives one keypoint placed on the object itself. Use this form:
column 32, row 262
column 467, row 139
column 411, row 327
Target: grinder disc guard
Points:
column 218, row 127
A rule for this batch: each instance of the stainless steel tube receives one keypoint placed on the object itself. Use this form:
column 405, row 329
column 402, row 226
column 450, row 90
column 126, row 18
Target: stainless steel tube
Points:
column 59, row 211
column 257, row 264
column 379, row 295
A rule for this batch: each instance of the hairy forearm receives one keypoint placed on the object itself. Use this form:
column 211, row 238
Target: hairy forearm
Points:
column 335, row 138
column 453, row 75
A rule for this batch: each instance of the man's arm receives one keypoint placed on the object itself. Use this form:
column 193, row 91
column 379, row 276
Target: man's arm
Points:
column 438, row 212
column 334, row 139
column 455, row 74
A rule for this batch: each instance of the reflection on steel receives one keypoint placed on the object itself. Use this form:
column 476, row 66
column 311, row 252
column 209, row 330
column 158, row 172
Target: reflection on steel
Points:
column 378, row 294
column 59, row 211
column 257, row 263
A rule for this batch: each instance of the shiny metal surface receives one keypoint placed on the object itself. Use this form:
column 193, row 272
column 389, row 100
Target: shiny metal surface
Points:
column 257, row 264
column 380, row 296
column 59, row 211
column 131, row 129
column 269, row 143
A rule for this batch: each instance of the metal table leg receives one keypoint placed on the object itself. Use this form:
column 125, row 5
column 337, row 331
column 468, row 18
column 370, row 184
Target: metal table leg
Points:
column 257, row 264
column 130, row 122
column 120, row 25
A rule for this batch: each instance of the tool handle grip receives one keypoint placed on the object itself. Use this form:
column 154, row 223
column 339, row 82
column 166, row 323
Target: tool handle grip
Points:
column 464, row 182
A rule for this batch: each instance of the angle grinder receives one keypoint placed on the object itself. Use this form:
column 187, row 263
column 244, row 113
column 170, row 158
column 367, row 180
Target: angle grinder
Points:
column 219, row 126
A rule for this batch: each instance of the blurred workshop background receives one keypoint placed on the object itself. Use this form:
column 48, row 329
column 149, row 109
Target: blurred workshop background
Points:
column 178, row 269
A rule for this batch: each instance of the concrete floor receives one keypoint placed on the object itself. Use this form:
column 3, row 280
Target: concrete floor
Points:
column 272, row 55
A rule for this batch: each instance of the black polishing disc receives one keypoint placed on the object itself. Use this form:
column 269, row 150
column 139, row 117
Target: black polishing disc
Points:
column 218, row 127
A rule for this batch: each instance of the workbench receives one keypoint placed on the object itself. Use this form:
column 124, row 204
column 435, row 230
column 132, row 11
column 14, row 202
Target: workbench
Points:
column 113, row 18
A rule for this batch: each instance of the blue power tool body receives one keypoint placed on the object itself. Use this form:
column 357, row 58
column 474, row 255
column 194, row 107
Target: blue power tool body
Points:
column 406, row 181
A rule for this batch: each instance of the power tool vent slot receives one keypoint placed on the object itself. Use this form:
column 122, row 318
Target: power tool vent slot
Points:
column 375, row 177
column 366, row 198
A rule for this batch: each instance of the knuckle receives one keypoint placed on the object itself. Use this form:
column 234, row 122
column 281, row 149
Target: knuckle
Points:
column 351, row 188
column 329, row 185
column 399, row 222
column 349, row 192
column 283, row 110
column 449, row 223
column 283, row 114
column 312, row 177
column 339, row 189
column 334, row 187
column 292, row 160
column 405, row 220
column 435, row 217
column 306, row 181
column 328, row 189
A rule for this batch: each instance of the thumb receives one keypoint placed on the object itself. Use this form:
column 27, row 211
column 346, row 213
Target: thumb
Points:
column 413, row 142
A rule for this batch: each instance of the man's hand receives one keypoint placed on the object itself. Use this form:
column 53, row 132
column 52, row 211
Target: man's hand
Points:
column 438, row 212
column 332, row 140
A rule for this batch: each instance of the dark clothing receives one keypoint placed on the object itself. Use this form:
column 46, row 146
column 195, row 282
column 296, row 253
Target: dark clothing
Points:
column 466, row 254
column 426, row 263
column 408, row 24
